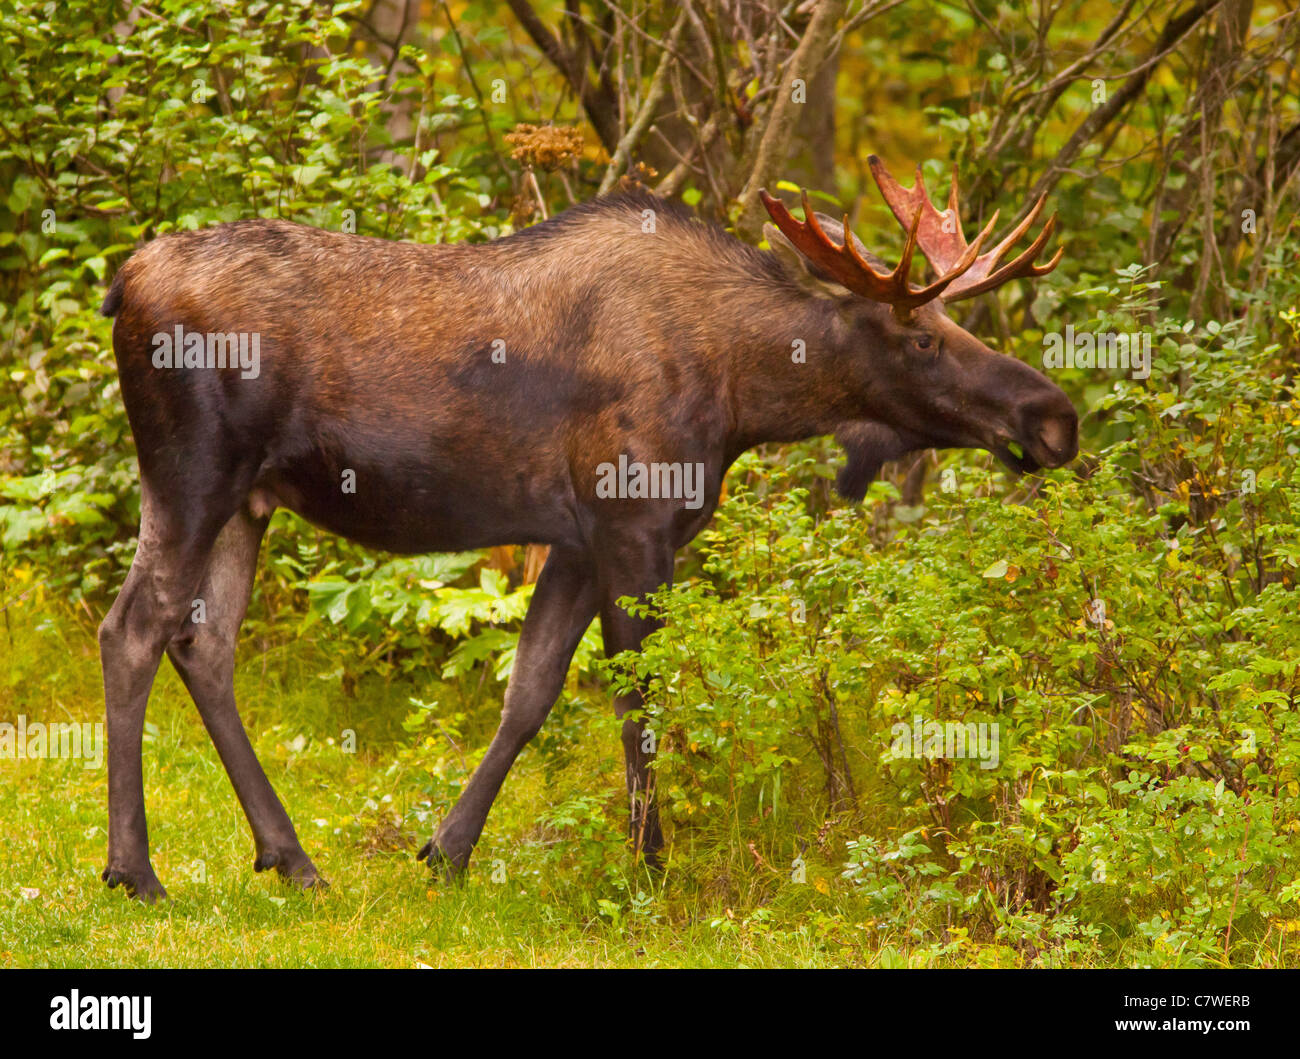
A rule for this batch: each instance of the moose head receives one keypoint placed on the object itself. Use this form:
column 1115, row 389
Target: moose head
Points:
column 926, row 382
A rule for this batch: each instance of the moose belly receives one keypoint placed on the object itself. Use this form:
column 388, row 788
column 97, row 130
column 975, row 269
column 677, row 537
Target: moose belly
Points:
column 414, row 509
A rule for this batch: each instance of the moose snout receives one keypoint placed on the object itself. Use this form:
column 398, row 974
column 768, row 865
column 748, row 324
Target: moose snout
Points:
column 1052, row 432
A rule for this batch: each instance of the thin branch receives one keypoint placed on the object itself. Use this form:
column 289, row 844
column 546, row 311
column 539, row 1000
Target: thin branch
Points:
column 654, row 96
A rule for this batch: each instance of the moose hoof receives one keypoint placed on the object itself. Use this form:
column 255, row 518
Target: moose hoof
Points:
column 294, row 867
column 141, row 884
column 648, row 843
column 442, row 862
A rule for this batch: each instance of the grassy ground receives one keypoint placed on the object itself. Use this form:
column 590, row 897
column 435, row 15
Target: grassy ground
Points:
column 541, row 893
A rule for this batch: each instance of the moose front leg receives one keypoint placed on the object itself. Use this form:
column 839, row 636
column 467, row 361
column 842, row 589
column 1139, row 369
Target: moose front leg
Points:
column 563, row 605
column 635, row 568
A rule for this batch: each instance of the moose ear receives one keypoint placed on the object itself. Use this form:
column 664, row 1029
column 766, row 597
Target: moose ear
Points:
column 805, row 273
column 868, row 445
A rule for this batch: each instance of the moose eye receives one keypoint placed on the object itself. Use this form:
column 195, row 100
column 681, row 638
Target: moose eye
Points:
column 926, row 344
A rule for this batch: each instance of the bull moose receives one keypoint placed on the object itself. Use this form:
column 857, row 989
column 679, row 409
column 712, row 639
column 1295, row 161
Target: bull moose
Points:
column 421, row 398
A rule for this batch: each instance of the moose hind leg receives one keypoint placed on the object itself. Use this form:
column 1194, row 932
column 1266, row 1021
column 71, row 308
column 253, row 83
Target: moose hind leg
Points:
column 204, row 655
column 156, row 597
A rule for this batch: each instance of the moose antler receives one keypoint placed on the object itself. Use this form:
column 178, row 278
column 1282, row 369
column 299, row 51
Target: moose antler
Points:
column 940, row 239
column 848, row 268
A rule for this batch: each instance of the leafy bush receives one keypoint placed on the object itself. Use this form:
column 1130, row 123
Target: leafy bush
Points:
column 217, row 114
column 1132, row 635
column 410, row 610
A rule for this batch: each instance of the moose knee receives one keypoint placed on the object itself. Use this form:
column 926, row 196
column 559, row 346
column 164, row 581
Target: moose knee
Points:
column 110, row 633
column 120, row 638
column 524, row 722
column 200, row 645
column 137, row 634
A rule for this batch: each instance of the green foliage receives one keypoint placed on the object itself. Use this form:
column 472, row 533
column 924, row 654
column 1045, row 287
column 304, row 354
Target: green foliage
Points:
column 217, row 114
column 406, row 612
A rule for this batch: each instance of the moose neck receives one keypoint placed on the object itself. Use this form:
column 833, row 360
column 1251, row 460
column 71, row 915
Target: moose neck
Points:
column 789, row 369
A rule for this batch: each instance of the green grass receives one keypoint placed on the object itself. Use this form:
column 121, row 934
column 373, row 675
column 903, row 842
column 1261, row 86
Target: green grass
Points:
column 571, row 896
column 552, row 883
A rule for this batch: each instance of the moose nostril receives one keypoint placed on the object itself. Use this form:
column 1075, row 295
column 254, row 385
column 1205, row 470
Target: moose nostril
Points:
column 1057, row 437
